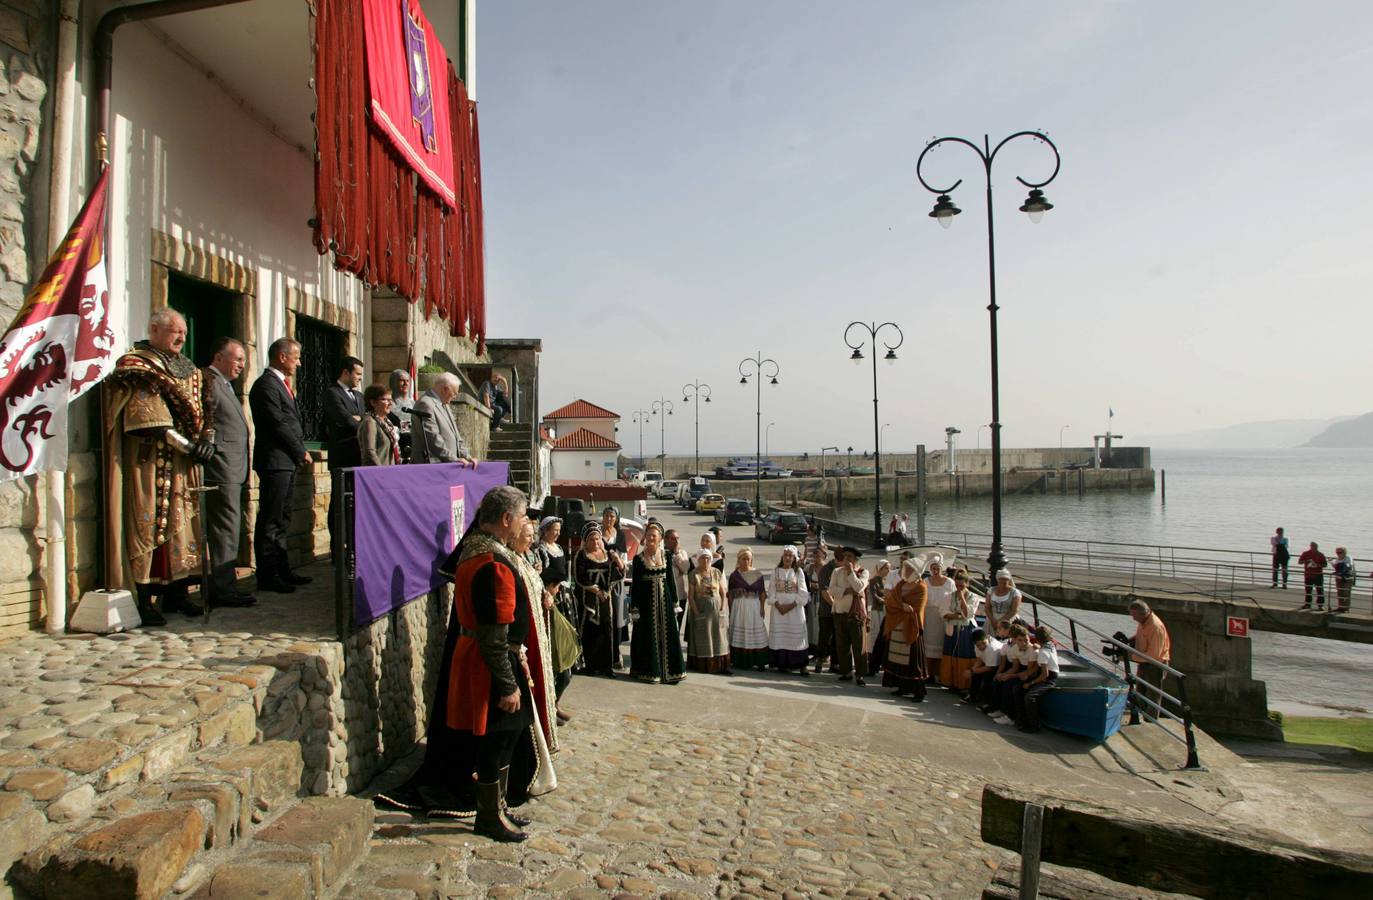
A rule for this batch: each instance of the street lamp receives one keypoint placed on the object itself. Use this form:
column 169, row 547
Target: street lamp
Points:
column 979, row 436
column 697, row 391
column 873, row 330
column 885, row 426
column 1060, row 436
column 640, row 416
column 759, row 369
column 767, row 439
column 659, row 408
column 1035, row 205
column 848, row 462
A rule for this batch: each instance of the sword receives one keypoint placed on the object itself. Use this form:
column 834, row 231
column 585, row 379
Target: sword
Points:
column 205, row 578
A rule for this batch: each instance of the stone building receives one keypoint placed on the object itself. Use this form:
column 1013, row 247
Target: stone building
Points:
column 211, row 147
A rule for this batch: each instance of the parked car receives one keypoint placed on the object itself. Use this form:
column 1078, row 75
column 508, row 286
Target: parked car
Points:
column 709, row 503
column 665, row 489
column 629, row 473
column 781, row 527
column 696, row 489
column 734, row 512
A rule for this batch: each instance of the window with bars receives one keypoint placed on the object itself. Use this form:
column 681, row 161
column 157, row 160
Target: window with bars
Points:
column 321, row 358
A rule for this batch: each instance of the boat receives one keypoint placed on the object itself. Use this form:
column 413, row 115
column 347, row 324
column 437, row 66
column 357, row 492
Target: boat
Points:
column 1089, row 700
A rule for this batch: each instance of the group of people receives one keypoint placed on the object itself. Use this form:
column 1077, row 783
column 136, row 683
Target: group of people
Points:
column 1313, row 564
column 176, row 431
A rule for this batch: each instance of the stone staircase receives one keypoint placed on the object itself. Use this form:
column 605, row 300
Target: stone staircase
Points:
column 513, row 444
column 187, row 801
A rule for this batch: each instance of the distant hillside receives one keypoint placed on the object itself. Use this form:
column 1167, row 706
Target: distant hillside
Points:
column 1275, row 434
column 1355, row 432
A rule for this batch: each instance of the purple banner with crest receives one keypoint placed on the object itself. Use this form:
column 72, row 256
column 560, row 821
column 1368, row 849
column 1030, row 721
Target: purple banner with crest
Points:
column 403, row 518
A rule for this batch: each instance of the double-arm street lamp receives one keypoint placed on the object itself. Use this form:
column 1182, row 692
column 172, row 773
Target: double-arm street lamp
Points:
column 662, row 409
column 873, row 330
column 758, row 367
column 640, row 416
column 1035, row 205
column 697, row 392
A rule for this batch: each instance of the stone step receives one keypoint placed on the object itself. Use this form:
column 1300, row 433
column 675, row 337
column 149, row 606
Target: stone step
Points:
column 166, row 835
column 308, row 852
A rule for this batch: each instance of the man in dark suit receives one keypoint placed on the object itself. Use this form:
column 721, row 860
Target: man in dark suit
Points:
column 278, row 453
column 225, row 472
column 342, row 415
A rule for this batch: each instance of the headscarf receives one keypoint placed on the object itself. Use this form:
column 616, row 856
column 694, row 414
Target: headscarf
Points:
column 708, row 537
column 590, row 528
column 547, row 521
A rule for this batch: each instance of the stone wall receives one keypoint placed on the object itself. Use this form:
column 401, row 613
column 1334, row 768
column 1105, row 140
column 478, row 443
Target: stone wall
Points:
column 358, row 706
column 25, row 76
column 936, row 460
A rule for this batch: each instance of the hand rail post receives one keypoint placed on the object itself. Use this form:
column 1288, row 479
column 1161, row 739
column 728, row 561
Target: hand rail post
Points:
column 1192, row 761
column 1072, row 629
column 1130, row 697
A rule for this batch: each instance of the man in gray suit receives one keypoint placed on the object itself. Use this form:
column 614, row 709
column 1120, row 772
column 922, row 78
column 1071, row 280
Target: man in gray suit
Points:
column 436, row 435
column 225, row 472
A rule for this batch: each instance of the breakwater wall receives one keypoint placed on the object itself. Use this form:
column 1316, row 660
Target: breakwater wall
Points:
column 971, row 462
column 897, row 489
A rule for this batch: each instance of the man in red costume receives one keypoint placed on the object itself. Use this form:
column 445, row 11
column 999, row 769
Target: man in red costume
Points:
column 482, row 704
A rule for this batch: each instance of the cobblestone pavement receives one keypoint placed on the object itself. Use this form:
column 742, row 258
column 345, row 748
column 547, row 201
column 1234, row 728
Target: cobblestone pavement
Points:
column 660, row 809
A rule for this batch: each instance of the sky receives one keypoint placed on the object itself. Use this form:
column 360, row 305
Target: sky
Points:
column 672, row 187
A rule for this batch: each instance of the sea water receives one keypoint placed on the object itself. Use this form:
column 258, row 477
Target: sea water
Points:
column 1218, row 499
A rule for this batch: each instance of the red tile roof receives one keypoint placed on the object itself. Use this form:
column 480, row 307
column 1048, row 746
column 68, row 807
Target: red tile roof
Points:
column 584, row 439
column 545, row 434
column 580, row 409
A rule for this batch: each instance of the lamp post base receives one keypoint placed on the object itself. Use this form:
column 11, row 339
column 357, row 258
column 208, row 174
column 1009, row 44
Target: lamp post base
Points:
column 879, row 537
column 996, row 559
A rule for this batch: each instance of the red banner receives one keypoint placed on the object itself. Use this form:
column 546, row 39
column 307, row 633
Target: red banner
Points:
column 407, row 80
column 58, row 346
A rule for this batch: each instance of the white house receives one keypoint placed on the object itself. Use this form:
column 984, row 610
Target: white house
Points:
column 584, row 445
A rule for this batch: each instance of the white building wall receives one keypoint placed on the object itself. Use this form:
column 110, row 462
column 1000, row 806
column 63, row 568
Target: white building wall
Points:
column 584, row 465
column 191, row 163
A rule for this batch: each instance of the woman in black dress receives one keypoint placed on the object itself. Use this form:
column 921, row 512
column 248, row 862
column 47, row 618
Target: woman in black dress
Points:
column 655, row 653
column 595, row 572
column 617, row 545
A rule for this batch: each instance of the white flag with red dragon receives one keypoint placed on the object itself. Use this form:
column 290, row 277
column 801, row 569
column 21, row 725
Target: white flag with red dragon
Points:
column 58, row 347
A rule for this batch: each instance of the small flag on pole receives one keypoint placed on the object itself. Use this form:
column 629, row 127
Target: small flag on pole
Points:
column 58, row 347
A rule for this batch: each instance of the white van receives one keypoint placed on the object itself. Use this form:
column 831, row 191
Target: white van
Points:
column 648, row 478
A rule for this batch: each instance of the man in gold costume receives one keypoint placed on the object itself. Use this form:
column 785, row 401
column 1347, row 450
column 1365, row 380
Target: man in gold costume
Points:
column 155, row 440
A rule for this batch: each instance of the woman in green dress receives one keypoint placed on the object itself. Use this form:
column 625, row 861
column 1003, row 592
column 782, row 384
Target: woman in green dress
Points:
column 655, row 649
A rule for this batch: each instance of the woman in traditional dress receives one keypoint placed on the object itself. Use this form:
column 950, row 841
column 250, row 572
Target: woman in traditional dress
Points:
column 905, row 665
column 707, row 624
column 655, row 651
column 941, row 587
column 558, row 600
column 1003, row 601
column 594, row 574
column 874, row 645
column 617, row 546
column 788, row 642
column 748, row 627
column 956, row 666
column 530, row 570
column 717, row 556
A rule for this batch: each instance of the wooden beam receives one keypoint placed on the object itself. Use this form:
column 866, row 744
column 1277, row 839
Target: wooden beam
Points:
column 1171, row 856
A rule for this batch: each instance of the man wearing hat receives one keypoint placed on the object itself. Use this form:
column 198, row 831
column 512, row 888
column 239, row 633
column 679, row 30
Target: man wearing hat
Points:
column 847, row 589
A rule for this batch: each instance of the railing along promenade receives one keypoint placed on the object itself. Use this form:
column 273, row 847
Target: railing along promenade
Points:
column 1217, row 573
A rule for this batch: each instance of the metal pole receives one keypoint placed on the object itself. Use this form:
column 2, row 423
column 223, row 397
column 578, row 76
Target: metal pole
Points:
column 996, row 559
column 920, row 494
column 697, row 467
column 758, row 445
column 877, row 540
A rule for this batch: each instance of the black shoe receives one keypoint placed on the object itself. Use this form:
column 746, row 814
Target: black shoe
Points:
column 489, row 822
column 1305, row 606
column 804, row 673
column 726, row 671
column 293, row 578
column 190, row 608
column 236, row 601
column 151, row 617
column 860, row 682
column 275, row 586
column 846, row 678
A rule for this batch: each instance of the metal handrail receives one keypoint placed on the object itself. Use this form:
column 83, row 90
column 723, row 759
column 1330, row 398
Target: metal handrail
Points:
column 1138, row 698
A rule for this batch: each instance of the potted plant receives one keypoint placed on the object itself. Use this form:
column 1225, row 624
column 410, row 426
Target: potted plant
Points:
column 424, row 378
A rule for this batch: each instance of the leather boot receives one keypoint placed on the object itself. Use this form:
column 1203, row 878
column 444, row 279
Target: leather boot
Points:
column 489, row 822
column 146, row 611
column 516, row 820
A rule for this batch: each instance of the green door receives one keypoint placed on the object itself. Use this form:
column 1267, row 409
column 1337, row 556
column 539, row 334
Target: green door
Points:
column 209, row 312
